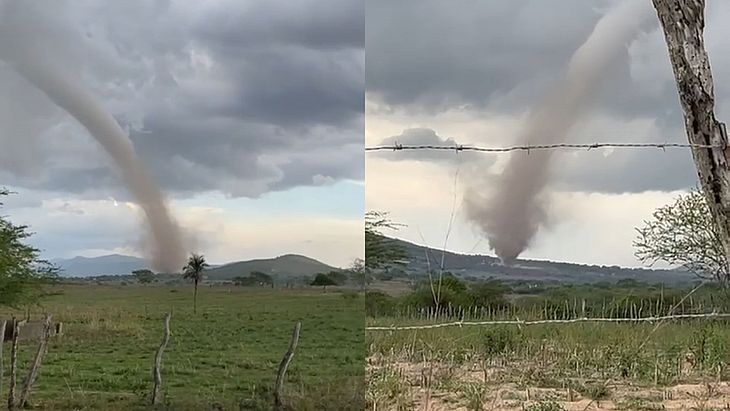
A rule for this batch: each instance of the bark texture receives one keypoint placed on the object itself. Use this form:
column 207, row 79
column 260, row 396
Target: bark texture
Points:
column 17, row 325
column 283, row 366
column 157, row 369
column 2, row 364
column 35, row 368
column 683, row 23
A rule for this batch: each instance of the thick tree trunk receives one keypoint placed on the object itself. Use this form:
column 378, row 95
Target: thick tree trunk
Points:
column 683, row 22
column 2, row 365
column 195, row 298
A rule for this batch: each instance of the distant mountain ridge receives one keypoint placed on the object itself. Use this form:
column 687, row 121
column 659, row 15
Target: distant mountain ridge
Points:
column 113, row 264
column 484, row 266
column 288, row 265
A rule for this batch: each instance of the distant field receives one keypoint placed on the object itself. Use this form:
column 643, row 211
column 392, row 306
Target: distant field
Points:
column 225, row 355
column 393, row 287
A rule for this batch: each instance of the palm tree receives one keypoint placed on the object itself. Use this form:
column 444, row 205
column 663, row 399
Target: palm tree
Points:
column 194, row 271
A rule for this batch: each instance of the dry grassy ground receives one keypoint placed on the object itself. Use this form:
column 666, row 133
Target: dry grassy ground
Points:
column 676, row 366
column 438, row 387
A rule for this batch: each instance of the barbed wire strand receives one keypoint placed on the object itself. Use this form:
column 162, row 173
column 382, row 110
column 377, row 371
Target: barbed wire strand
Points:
column 529, row 147
column 537, row 322
column 457, row 148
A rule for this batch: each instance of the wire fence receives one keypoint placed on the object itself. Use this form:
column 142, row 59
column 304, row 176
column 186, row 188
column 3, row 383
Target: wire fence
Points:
column 538, row 322
column 527, row 148
column 530, row 147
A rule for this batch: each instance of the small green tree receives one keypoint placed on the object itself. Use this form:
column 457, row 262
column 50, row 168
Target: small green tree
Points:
column 381, row 251
column 23, row 274
column 357, row 273
column 324, row 280
column 378, row 303
column 489, row 293
column 261, row 278
column 422, row 297
column 244, row 281
column 684, row 234
column 338, row 277
column 194, row 271
column 449, row 281
column 144, row 276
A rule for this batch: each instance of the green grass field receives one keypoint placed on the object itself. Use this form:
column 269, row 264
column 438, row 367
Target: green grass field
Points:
column 224, row 356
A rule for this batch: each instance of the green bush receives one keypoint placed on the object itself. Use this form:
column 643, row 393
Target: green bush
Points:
column 489, row 294
column 499, row 340
column 423, row 298
column 378, row 303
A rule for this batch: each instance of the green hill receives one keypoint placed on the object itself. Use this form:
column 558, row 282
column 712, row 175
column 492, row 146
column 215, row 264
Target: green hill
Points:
column 484, row 266
column 289, row 265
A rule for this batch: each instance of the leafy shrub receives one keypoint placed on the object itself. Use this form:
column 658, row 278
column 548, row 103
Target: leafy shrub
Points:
column 498, row 340
column 475, row 395
column 489, row 294
column 378, row 303
column 596, row 392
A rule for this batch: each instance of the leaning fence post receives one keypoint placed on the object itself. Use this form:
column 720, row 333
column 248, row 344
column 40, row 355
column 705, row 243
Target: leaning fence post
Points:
column 14, row 363
column 278, row 395
column 33, row 373
column 158, row 362
column 2, row 366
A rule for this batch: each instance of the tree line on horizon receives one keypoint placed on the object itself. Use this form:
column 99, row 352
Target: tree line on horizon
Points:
column 681, row 234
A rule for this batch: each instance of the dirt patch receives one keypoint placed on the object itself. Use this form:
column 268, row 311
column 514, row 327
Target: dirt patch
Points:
column 441, row 387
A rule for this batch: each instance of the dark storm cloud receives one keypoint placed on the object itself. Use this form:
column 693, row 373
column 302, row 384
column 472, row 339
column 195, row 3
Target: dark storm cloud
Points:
column 332, row 24
column 295, row 86
column 502, row 56
column 505, row 54
column 432, row 53
column 241, row 97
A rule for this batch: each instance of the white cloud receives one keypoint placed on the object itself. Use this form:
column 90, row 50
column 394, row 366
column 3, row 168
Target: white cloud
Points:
column 66, row 227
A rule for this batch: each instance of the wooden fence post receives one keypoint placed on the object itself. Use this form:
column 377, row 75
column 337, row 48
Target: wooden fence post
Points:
column 14, row 363
column 33, row 373
column 2, row 365
column 156, row 374
column 278, row 392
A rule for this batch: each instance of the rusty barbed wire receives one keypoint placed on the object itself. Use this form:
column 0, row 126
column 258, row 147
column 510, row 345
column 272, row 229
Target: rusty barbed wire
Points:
column 529, row 147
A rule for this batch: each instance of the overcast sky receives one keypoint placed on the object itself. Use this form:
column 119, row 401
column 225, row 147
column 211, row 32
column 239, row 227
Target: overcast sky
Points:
column 249, row 114
column 469, row 71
